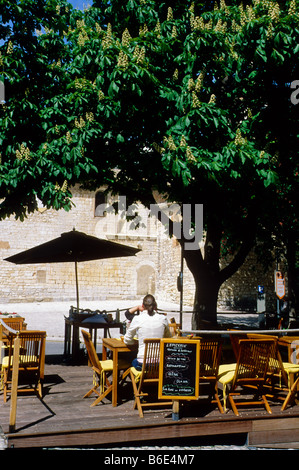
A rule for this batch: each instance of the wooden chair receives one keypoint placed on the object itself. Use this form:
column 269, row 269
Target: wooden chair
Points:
column 291, row 395
column 248, row 374
column 280, row 378
column 10, row 325
column 210, row 353
column 174, row 327
column 280, row 375
column 16, row 323
column 31, row 362
column 234, row 341
column 147, row 377
column 101, row 369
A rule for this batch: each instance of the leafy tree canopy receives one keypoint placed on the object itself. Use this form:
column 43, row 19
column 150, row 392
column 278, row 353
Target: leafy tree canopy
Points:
column 191, row 99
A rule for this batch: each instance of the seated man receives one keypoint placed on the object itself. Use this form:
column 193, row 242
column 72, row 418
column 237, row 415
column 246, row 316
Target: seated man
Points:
column 149, row 324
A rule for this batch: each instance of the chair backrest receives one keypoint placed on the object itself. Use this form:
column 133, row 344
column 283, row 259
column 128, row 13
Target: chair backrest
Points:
column 275, row 361
column 150, row 366
column 210, row 353
column 253, row 360
column 234, row 340
column 32, row 350
column 13, row 323
column 91, row 350
column 174, row 328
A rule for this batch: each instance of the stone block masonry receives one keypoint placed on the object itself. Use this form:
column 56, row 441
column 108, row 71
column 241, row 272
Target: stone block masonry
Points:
column 101, row 279
column 153, row 270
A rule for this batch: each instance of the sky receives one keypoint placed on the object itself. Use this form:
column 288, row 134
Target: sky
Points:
column 80, row 3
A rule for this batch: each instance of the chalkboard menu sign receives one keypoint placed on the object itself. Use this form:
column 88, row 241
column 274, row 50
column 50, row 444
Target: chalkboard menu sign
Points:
column 179, row 369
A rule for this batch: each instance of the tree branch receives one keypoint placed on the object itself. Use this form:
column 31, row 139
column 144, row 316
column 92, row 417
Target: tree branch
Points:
column 238, row 260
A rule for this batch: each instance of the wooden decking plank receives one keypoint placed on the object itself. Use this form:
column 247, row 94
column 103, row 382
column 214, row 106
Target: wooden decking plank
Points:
column 273, row 437
column 124, row 435
column 280, row 423
column 64, row 418
column 279, row 445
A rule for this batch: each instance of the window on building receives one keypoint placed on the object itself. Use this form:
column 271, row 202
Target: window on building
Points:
column 100, row 204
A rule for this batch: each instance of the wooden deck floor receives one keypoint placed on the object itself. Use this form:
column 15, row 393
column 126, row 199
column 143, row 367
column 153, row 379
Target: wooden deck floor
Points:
column 64, row 419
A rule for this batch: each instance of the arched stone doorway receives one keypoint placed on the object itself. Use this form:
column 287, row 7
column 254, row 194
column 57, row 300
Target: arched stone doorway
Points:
column 146, row 280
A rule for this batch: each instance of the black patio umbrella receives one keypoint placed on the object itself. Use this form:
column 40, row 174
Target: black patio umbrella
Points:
column 74, row 247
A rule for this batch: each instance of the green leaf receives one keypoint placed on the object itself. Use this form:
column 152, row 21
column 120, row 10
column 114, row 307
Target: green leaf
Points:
column 120, row 139
column 261, row 53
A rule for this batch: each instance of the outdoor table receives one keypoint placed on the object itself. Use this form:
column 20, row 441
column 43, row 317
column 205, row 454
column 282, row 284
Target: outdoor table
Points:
column 116, row 346
column 71, row 333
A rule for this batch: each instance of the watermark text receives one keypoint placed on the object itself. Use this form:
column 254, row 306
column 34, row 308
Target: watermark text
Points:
column 185, row 222
column 295, row 94
column 2, row 90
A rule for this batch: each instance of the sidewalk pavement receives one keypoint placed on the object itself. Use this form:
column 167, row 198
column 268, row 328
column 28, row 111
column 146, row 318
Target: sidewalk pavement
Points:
column 49, row 316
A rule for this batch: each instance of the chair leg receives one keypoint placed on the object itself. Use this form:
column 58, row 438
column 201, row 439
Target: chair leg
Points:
column 287, row 400
column 134, row 385
column 267, row 406
column 290, row 395
column 5, row 385
column 97, row 383
column 126, row 373
column 217, row 399
column 103, row 395
column 137, row 402
column 92, row 390
column 40, row 389
column 233, row 405
column 139, row 407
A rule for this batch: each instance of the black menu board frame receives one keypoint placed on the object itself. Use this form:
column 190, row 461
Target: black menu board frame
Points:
column 179, row 369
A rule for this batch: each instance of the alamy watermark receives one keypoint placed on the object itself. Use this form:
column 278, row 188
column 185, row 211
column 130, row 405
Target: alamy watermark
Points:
column 2, row 90
column 295, row 94
column 294, row 357
column 186, row 220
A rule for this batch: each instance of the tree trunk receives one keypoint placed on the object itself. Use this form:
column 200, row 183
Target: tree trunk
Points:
column 205, row 267
column 208, row 277
column 206, row 273
column 204, row 316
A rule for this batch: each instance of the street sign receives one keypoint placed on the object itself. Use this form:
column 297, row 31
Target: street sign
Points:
column 280, row 285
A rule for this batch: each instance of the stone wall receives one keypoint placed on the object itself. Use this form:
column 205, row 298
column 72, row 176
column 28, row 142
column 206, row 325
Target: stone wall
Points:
column 152, row 270
column 240, row 291
column 123, row 278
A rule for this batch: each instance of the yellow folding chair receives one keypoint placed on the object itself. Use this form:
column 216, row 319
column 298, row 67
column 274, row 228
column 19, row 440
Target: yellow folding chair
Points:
column 147, row 377
column 248, row 375
column 210, row 353
column 31, row 362
column 280, row 375
column 101, row 369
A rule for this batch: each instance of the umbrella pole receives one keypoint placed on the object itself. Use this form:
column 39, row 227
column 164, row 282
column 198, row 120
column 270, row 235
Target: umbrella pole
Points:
column 77, row 285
